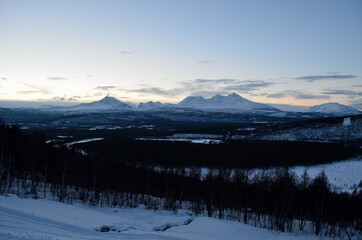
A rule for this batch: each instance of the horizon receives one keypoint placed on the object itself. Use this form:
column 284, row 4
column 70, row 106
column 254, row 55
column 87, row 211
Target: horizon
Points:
column 295, row 53
column 37, row 104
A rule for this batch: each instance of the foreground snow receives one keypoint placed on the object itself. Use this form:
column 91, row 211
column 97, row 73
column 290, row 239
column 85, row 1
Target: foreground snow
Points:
column 44, row 219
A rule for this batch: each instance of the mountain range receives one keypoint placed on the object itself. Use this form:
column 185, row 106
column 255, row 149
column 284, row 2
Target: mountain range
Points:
column 232, row 103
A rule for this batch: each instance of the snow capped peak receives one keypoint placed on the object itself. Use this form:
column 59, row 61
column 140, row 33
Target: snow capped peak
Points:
column 106, row 104
column 235, row 96
column 197, row 98
column 192, row 101
column 217, row 96
column 109, row 100
column 334, row 109
column 231, row 101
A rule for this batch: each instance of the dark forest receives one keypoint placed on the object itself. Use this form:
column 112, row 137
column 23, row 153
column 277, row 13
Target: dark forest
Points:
column 272, row 199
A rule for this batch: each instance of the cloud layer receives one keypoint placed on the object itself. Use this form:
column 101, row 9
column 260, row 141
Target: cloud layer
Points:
column 207, row 87
column 205, row 62
column 35, row 89
column 313, row 78
column 125, row 52
column 56, row 78
column 342, row 92
column 105, row 88
column 297, row 95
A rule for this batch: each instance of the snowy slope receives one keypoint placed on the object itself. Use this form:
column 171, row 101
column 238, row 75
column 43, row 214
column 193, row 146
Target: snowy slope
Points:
column 218, row 102
column 194, row 102
column 43, row 219
column 334, row 109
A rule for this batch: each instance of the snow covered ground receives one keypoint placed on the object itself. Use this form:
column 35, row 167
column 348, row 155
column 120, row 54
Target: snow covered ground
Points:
column 83, row 141
column 191, row 140
column 343, row 175
column 43, row 219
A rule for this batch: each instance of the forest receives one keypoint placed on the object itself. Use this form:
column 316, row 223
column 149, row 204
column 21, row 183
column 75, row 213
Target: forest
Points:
column 274, row 199
column 231, row 154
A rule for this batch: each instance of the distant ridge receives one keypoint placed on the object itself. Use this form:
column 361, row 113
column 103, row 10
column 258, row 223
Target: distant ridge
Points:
column 334, row 108
column 149, row 105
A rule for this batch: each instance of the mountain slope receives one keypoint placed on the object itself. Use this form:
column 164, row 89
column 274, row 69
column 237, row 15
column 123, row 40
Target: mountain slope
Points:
column 224, row 103
column 334, row 108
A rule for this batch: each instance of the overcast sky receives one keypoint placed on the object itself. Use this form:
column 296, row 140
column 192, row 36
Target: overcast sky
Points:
column 291, row 52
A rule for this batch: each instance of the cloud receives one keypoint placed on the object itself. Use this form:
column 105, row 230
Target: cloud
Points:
column 206, row 87
column 125, row 52
column 249, row 86
column 297, row 95
column 27, row 92
column 58, row 98
column 205, row 62
column 62, row 99
column 277, row 95
column 36, row 90
column 105, row 88
column 89, row 76
column 56, row 78
column 5, row 79
column 313, row 78
column 159, row 91
column 224, row 81
column 67, row 99
column 342, row 92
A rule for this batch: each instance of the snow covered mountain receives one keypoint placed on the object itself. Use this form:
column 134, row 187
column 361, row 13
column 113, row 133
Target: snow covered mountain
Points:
column 334, row 109
column 104, row 105
column 149, row 105
column 231, row 102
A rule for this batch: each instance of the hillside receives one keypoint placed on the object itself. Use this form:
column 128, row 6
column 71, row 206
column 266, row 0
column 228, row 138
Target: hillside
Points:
column 44, row 219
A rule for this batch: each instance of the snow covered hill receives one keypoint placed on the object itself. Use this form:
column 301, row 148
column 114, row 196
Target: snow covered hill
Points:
column 230, row 102
column 334, row 109
column 43, row 219
column 322, row 130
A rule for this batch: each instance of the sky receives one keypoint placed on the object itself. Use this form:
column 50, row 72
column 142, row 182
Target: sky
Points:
column 289, row 52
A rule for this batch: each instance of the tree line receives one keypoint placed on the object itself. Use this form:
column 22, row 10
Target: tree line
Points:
column 272, row 199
